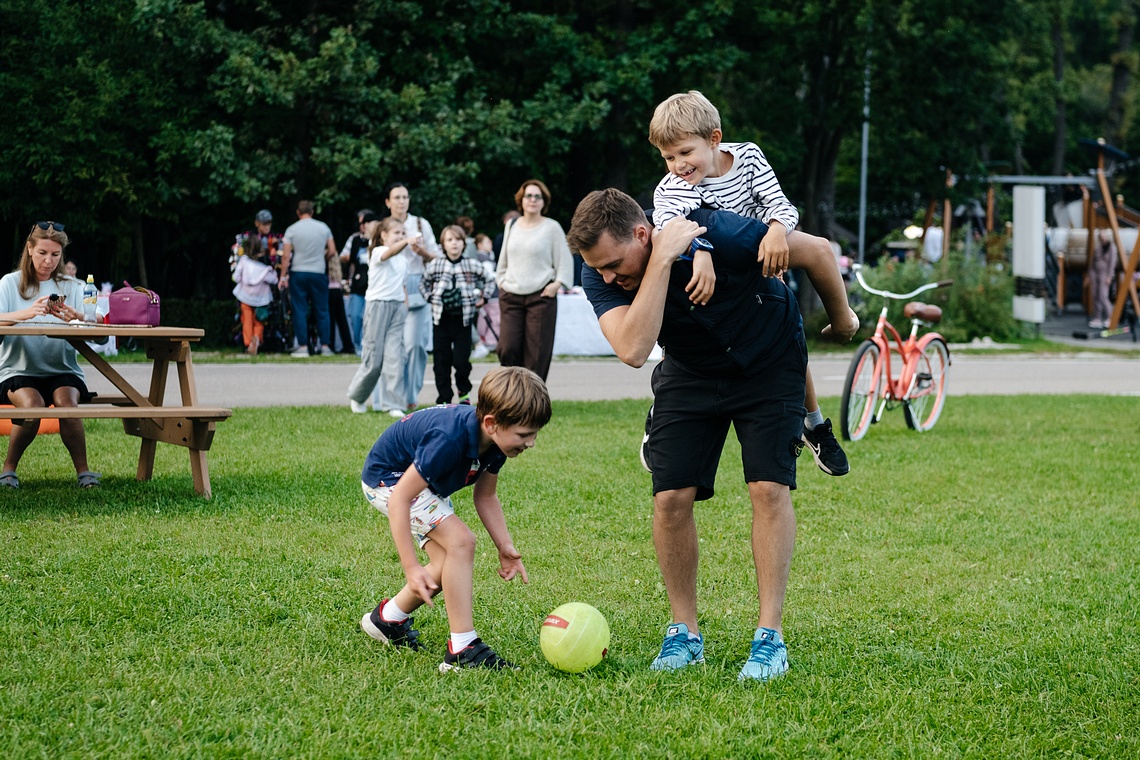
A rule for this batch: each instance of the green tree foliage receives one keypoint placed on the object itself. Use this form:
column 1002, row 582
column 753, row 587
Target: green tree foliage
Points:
column 156, row 128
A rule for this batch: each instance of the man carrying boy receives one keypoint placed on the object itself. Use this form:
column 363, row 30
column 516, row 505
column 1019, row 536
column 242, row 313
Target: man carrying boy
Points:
column 409, row 475
column 738, row 360
column 705, row 172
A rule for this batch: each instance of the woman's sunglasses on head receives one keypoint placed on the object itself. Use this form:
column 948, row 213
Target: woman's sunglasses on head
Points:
column 50, row 225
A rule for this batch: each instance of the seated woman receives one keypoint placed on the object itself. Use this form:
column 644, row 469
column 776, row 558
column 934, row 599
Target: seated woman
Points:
column 36, row 370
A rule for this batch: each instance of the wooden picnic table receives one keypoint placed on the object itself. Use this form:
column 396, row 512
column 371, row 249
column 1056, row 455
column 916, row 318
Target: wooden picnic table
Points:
column 145, row 415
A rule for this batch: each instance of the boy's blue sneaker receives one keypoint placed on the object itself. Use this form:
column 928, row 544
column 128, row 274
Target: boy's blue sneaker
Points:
column 678, row 650
column 769, row 658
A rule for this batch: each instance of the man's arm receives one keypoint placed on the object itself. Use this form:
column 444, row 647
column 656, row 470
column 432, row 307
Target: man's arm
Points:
column 486, row 499
column 330, row 248
column 286, row 257
column 632, row 330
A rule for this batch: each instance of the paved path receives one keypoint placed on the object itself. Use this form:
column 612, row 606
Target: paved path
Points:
column 302, row 382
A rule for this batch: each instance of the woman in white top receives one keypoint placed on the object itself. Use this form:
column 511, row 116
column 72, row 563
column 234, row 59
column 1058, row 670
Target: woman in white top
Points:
column 35, row 370
column 533, row 264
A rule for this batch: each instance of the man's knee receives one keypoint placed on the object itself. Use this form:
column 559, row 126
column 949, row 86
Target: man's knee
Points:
column 768, row 496
column 677, row 504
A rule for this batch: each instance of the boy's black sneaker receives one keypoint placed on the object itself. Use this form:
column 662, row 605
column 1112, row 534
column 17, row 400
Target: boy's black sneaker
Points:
column 475, row 655
column 826, row 450
column 643, row 452
column 396, row 634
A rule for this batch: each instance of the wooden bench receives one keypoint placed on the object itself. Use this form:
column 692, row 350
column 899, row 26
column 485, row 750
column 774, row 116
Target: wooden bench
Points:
column 191, row 427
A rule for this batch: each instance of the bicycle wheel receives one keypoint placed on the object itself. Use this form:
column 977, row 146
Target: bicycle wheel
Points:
column 861, row 391
column 928, row 393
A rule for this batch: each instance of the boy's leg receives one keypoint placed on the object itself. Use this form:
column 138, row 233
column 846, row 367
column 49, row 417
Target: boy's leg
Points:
column 462, row 358
column 441, row 361
column 451, row 545
column 813, row 255
column 819, row 436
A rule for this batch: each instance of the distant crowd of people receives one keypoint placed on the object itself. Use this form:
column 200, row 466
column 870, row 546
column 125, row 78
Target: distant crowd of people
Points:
column 393, row 293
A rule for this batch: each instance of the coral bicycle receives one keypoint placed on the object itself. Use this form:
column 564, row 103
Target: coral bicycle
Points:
column 871, row 388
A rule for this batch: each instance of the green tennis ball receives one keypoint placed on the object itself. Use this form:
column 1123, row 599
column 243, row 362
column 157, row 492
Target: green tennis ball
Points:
column 574, row 637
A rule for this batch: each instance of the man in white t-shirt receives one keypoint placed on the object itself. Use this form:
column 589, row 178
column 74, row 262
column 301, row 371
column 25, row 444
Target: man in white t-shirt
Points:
column 304, row 271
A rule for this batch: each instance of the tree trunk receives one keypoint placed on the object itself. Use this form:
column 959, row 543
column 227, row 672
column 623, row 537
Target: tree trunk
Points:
column 1123, row 61
column 139, row 251
column 1060, row 127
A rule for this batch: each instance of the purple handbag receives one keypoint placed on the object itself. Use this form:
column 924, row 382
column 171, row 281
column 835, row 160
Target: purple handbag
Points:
column 132, row 306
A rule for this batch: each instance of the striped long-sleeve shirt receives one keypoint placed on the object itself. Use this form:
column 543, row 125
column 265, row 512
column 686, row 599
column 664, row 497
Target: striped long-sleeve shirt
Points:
column 750, row 188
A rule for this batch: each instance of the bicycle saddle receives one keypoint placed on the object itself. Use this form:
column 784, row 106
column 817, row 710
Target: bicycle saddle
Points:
column 924, row 311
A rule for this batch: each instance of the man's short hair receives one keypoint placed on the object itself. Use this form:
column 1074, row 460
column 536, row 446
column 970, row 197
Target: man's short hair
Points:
column 682, row 115
column 515, row 396
column 305, row 207
column 263, row 216
column 608, row 210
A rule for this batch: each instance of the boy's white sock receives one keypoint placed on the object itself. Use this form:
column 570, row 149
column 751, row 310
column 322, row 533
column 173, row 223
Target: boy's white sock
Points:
column 393, row 614
column 813, row 419
column 460, row 641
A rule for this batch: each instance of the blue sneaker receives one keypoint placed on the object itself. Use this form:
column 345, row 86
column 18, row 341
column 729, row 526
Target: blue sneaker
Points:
column 769, row 658
column 679, row 650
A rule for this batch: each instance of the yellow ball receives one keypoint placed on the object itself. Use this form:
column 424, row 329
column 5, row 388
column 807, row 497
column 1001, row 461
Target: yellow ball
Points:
column 574, row 637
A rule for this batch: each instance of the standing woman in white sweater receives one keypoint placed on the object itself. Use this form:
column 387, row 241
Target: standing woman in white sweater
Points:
column 533, row 264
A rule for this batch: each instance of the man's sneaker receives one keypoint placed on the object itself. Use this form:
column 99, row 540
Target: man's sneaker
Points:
column 769, row 658
column 643, row 452
column 357, row 407
column 678, row 650
column 396, row 634
column 474, row 655
column 327, row 351
column 301, row 353
column 826, row 450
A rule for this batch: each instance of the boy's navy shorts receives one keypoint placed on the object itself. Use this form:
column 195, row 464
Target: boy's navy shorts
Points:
column 691, row 415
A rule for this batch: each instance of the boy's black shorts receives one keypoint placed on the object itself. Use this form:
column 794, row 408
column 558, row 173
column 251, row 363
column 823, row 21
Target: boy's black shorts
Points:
column 691, row 415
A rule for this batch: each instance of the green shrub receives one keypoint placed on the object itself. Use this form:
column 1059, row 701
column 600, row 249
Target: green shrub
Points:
column 217, row 318
column 978, row 304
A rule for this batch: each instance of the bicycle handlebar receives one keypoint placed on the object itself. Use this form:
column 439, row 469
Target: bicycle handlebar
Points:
column 858, row 270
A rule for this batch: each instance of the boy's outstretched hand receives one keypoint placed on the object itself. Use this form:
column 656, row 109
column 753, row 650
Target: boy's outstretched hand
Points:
column 842, row 332
column 421, row 583
column 510, row 564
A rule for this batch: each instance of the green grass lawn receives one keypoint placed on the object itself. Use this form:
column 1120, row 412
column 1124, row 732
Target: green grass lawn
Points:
column 970, row 592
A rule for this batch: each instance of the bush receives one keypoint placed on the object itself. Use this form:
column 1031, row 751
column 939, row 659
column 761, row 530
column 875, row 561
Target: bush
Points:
column 978, row 304
column 217, row 318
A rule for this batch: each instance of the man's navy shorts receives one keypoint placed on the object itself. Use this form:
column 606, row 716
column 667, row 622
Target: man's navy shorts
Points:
column 691, row 415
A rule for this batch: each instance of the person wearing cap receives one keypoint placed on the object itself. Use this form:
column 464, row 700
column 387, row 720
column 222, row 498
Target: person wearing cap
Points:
column 270, row 241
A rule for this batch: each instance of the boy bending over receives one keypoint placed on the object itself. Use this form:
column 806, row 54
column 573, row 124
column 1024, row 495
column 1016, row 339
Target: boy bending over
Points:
column 409, row 475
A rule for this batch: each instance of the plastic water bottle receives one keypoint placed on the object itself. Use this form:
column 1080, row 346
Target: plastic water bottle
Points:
column 90, row 299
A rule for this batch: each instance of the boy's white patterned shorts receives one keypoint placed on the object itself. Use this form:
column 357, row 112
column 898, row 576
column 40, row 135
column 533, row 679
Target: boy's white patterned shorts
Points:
column 428, row 509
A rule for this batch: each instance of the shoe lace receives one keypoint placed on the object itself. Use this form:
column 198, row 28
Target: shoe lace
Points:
column 676, row 645
column 764, row 651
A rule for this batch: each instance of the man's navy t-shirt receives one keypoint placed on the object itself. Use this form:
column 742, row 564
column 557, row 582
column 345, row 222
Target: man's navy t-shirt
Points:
column 441, row 441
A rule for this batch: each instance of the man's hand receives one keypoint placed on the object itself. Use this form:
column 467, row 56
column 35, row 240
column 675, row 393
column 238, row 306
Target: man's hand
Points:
column 773, row 251
column 672, row 240
column 842, row 331
column 701, row 287
column 510, row 564
column 421, row 583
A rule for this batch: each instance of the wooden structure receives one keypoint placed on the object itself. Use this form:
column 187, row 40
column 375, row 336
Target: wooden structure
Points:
column 189, row 424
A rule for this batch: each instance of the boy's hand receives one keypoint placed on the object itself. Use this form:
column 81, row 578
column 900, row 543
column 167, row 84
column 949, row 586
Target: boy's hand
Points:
column 842, row 331
column 773, row 251
column 701, row 287
column 421, row 583
column 510, row 564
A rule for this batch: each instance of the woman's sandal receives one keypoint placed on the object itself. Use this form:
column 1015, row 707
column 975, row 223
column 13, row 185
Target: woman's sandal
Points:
column 8, row 479
column 88, row 479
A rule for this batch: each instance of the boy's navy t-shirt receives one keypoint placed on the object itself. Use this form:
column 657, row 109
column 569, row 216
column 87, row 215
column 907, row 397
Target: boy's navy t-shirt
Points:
column 441, row 441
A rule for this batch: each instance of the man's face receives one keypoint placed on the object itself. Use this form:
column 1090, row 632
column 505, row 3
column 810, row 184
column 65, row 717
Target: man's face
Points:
column 263, row 227
column 397, row 202
column 693, row 159
column 621, row 262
